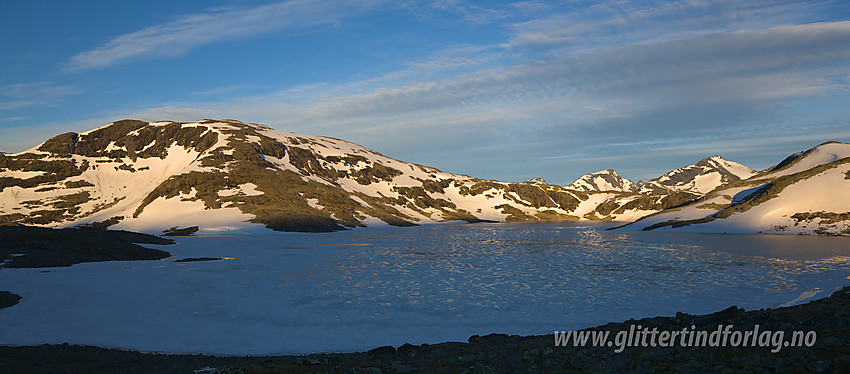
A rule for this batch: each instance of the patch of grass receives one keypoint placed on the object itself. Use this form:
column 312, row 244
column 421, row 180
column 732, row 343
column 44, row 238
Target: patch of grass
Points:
column 655, row 202
column 825, row 217
column 714, row 206
column 375, row 173
column 438, row 186
column 480, row 187
column 347, row 160
column 607, row 207
column 677, row 224
column 54, row 170
column 514, row 214
column 126, row 168
column 78, row 184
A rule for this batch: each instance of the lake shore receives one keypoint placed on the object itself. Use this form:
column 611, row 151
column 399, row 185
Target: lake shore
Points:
column 828, row 317
column 37, row 247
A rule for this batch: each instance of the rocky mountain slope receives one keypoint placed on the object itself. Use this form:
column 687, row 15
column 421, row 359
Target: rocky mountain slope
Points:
column 700, row 178
column 807, row 193
column 228, row 175
column 604, row 180
column 213, row 176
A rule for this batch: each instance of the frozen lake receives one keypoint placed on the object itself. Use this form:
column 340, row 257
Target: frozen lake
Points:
column 300, row 293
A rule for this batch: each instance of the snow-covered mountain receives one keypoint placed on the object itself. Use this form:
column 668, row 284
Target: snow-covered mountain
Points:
column 228, row 175
column 220, row 175
column 807, row 193
column 604, row 180
column 700, row 178
column 536, row 181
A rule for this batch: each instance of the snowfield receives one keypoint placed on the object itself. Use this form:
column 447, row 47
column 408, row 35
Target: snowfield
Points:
column 814, row 200
column 291, row 293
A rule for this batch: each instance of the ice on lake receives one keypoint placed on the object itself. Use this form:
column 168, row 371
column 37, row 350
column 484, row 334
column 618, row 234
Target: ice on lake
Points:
column 284, row 293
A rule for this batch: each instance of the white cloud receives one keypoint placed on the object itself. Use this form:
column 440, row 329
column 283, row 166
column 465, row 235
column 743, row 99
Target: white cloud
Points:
column 603, row 24
column 178, row 37
column 21, row 95
column 766, row 64
column 684, row 72
column 672, row 89
column 471, row 12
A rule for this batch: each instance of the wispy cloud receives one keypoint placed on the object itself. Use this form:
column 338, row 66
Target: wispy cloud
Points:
column 775, row 63
column 603, row 24
column 471, row 12
column 217, row 25
column 21, row 95
column 566, row 88
column 671, row 89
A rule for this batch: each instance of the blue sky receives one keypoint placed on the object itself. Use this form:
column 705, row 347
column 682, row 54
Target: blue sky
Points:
column 497, row 90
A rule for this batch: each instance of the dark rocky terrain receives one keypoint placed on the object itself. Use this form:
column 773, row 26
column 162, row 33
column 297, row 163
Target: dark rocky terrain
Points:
column 32, row 247
column 8, row 299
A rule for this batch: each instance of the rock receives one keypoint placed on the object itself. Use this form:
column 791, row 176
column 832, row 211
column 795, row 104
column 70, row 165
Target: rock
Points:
column 383, row 353
column 367, row 370
column 818, row 366
column 398, row 368
column 536, row 181
column 307, row 361
column 406, row 349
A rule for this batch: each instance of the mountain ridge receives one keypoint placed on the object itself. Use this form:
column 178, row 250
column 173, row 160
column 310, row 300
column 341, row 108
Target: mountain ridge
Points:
column 155, row 176
column 602, row 181
column 226, row 175
column 806, row 193
column 698, row 178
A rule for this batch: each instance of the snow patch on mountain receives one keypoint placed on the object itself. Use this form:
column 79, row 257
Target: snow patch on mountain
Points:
column 808, row 195
column 702, row 177
column 229, row 175
column 536, row 181
column 820, row 155
column 604, row 180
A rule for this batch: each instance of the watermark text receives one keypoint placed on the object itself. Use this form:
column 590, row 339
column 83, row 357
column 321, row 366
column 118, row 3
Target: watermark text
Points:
column 723, row 336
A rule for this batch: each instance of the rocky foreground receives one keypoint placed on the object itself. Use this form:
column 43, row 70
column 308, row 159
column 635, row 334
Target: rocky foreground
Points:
column 829, row 317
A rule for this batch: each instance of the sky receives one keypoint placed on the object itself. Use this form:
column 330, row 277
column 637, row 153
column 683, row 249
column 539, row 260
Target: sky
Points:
column 505, row 90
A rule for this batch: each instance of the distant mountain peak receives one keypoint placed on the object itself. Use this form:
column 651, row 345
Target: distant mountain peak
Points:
column 807, row 193
column 700, row 178
column 603, row 180
column 537, row 180
column 221, row 175
column 823, row 153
